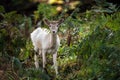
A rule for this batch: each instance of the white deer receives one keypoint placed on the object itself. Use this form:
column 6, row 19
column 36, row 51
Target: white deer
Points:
column 46, row 42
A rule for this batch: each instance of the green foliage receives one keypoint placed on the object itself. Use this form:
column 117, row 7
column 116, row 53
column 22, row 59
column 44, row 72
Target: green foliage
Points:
column 45, row 11
column 106, row 7
column 100, row 50
column 2, row 10
column 34, row 74
column 90, row 45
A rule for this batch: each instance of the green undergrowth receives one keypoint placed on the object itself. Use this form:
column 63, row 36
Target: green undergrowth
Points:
column 89, row 50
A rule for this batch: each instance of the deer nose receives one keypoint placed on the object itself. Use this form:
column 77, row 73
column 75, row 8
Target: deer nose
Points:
column 53, row 31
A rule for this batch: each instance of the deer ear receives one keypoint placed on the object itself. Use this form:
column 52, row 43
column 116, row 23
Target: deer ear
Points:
column 46, row 21
column 60, row 21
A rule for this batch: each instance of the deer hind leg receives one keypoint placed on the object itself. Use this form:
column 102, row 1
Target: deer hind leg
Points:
column 36, row 61
column 55, row 62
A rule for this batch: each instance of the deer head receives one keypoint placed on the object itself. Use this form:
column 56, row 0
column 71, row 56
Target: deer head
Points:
column 53, row 25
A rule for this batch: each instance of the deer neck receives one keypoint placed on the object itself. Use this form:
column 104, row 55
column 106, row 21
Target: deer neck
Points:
column 53, row 40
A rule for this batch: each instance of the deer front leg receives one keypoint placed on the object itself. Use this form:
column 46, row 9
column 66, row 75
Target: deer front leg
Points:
column 36, row 61
column 55, row 62
column 44, row 58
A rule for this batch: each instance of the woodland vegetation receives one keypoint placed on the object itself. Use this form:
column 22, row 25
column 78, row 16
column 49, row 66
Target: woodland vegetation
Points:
column 90, row 39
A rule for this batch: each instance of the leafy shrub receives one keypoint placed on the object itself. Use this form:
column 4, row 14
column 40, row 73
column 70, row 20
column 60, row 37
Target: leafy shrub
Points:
column 89, row 46
column 99, row 51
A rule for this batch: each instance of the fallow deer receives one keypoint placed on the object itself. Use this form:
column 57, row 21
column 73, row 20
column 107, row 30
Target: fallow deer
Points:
column 45, row 41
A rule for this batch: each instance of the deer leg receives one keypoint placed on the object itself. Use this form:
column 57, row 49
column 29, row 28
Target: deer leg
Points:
column 55, row 62
column 40, row 52
column 44, row 58
column 36, row 61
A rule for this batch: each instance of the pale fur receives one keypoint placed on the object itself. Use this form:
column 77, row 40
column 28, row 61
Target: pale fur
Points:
column 45, row 42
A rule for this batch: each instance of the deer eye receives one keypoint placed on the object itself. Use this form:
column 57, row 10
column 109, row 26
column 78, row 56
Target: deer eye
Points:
column 57, row 25
column 50, row 25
